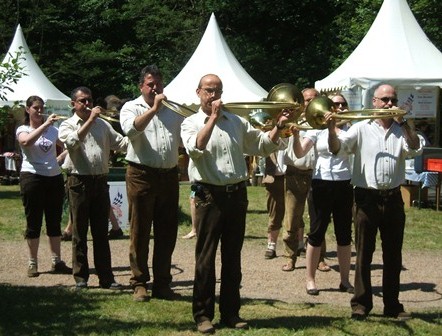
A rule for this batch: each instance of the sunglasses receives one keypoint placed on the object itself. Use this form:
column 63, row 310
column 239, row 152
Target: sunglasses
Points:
column 386, row 100
column 343, row 104
column 85, row 100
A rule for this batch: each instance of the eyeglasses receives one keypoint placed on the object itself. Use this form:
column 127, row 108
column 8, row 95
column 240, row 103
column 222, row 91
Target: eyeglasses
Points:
column 84, row 100
column 212, row 91
column 343, row 104
column 386, row 100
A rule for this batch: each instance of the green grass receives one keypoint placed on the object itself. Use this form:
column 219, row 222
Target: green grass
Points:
column 60, row 311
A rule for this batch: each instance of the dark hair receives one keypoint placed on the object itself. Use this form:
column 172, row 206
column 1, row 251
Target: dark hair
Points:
column 82, row 89
column 29, row 103
column 149, row 70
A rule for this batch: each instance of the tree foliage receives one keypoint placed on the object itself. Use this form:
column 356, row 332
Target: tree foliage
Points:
column 104, row 43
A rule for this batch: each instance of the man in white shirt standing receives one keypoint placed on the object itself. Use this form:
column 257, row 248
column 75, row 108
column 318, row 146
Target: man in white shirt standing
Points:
column 89, row 140
column 380, row 147
column 152, row 184
column 216, row 142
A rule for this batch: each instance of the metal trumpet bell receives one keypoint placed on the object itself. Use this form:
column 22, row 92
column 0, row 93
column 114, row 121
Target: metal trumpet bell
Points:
column 262, row 115
column 314, row 113
column 288, row 93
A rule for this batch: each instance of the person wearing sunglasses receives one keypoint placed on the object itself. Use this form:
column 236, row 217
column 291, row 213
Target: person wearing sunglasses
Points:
column 380, row 147
column 89, row 141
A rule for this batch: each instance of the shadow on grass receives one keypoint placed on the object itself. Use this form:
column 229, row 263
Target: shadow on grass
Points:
column 63, row 311
column 9, row 194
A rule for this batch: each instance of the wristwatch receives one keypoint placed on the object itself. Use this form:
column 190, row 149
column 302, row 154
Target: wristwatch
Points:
column 403, row 122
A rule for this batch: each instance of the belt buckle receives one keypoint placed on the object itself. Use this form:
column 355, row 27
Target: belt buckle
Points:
column 230, row 188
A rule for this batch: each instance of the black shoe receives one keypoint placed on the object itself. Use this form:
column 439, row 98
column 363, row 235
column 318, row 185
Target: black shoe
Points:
column 66, row 236
column 60, row 268
column 116, row 234
column 81, row 285
column 112, row 286
column 344, row 289
column 165, row 294
column 312, row 291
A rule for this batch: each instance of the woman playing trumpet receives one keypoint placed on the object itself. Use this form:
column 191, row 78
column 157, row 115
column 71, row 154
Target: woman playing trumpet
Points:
column 331, row 194
column 41, row 183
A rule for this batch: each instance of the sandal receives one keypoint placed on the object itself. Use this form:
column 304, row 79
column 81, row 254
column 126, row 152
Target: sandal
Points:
column 323, row 267
column 289, row 267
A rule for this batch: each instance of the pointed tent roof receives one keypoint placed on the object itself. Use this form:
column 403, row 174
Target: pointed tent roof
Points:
column 35, row 82
column 213, row 55
column 409, row 57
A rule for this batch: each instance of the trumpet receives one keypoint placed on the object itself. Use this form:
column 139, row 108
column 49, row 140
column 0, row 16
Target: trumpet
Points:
column 58, row 117
column 316, row 109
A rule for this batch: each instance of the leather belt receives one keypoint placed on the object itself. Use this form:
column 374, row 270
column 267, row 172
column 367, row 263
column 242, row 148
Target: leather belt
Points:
column 91, row 177
column 151, row 169
column 380, row 192
column 228, row 188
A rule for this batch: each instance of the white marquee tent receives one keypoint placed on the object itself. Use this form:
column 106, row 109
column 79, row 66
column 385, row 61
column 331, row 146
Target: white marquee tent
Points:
column 395, row 50
column 213, row 55
column 35, row 82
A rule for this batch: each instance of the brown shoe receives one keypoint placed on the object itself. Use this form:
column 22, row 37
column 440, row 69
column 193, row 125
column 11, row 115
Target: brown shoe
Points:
column 205, row 327
column 235, row 322
column 140, row 294
column 289, row 267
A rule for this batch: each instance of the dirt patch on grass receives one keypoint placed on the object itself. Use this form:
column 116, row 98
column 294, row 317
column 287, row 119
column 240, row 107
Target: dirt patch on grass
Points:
column 262, row 279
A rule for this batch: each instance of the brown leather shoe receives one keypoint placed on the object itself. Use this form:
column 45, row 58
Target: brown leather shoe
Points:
column 140, row 294
column 205, row 327
column 235, row 322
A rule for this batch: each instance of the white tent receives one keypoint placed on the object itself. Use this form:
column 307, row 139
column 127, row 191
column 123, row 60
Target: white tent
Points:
column 395, row 50
column 34, row 82
column 213, row 55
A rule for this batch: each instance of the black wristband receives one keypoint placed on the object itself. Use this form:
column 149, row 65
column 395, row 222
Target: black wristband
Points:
column 280, row 127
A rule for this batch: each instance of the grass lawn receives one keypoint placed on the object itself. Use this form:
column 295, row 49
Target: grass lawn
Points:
column 59, row 311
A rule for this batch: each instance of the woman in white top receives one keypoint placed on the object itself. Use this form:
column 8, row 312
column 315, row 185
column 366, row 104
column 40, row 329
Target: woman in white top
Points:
column 41, row 183
column 332, row 194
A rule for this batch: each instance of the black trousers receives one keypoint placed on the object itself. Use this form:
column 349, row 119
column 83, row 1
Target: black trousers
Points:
column 220, row 217
column 383, row 210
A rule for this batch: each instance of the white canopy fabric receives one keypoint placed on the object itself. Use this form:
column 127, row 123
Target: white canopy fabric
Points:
column 213, row 56
column 34, row 82
column 395, row 50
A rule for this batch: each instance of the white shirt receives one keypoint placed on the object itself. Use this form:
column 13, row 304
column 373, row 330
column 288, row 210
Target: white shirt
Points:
column 41, row 157
column 90, row 157
column 304, row 163
column 156, row 146
column 379, row 160
column 222, row 161
column 328, row 166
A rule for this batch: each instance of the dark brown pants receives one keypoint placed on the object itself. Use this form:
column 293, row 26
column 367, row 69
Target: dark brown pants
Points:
column 89, row 205
column 220, row 216
column 384, row 211
column 153, row 201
